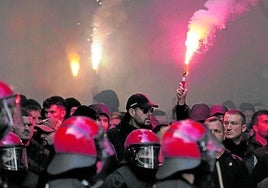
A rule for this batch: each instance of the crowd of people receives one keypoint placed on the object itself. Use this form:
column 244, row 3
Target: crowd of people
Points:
column 64, row 143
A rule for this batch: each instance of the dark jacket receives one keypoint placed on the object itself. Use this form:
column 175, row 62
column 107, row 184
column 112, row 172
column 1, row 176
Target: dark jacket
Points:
column 173, row 183
column 75, row 178
column 67, row 183
column 252, row 142
column 260, row 152
column 129, row 176
column 117, row 137
column 243, row 151
column 38, row 157
column 260, row 171
column 234, row 171
column 182, row 112
column 263, row 183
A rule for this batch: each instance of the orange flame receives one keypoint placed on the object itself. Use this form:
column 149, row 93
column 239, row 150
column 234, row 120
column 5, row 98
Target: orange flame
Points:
column 196, row 38
column 205, row 22
column 74, row 64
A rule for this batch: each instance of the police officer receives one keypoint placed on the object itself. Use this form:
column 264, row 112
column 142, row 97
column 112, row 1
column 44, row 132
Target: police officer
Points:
column 189, row 156
column 13, row 161
column 140, row 163
column 79, row 146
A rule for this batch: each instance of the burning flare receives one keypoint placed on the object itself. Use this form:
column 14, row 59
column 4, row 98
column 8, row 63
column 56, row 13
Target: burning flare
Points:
column 107, row 19
column 74, row 64
column 96, row 54
column 204, row 24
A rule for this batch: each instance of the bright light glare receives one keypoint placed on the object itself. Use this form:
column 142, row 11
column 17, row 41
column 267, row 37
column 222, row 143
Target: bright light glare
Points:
column 96, row 54
column 192, row 45
column 75, row 67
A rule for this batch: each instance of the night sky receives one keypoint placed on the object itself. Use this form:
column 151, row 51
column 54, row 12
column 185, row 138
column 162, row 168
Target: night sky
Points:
column 143, row 51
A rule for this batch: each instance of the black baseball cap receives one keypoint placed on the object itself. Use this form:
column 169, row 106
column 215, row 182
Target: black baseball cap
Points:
column 139, row 100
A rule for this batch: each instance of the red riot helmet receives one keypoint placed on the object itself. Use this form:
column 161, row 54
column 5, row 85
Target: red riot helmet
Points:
column 104, row 148
column 10, row 111
column 5, row 90
column 184, row 146
column 75, row 145
column 13, row 154
column 93, row 128
column 142, row 148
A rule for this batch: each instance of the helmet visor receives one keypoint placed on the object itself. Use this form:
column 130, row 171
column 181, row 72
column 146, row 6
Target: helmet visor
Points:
column 14, row 158
column 146, row 156
column 10, row 111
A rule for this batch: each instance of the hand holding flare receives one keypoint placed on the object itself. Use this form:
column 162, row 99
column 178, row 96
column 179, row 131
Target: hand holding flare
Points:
column 185, row 73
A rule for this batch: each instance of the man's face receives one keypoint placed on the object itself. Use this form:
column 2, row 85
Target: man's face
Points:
column 147, row 156
column 36, row 115
column 104, row 122
column 217, row 129
column 114, row 122
column 262, row 125
column 142, row 117
column 14, row 158
column 55, row 111
column 233, row 127
column 8, row 155
column 26, row 131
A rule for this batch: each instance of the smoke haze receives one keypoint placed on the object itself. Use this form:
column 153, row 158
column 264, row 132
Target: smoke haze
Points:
column 215, row 17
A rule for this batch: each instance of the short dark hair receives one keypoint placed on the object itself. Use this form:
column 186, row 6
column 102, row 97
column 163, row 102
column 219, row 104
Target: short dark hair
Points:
column 213, row 119
column 32, row 102
column 117, row 115
column 24, row 112
column 30, row 108
column 255, row 116
column 237, row 112
column 54, row 100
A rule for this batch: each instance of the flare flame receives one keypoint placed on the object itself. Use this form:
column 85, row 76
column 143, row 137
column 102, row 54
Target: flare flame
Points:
column 205, row 22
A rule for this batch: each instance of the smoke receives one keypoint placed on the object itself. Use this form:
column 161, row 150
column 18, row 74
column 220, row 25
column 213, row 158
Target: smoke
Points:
column 107, row 18
column 264, row 8
column 208, row 21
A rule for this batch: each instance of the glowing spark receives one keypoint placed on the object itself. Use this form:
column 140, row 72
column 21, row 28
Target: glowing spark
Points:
column 99, row 2
column 96, row 54
column 75, row 65
column 107, row 19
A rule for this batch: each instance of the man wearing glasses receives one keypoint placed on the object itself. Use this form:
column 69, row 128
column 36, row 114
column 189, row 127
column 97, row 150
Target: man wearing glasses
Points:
column 139, row 111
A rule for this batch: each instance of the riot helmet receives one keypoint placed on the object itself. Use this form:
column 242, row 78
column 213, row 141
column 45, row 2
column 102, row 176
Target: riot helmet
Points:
column 10, row 110
column 142, row 148
column 76, row 146
column 13, row 153
column 186, row 144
